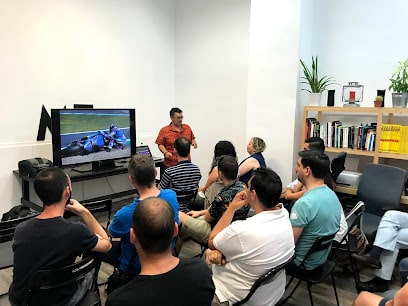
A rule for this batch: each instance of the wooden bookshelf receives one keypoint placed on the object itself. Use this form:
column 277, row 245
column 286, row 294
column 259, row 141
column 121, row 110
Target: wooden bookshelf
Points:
column 381, row 115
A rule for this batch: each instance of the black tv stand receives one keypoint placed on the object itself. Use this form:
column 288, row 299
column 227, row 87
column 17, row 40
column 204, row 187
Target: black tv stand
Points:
column 97, row 166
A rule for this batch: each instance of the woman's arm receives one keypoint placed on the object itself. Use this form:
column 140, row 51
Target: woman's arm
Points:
column 248, row 165
column 212, row 178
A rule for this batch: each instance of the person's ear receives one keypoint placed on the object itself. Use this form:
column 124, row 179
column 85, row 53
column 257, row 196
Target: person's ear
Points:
column 132, row 180
column 132, row 236
column 176, row 229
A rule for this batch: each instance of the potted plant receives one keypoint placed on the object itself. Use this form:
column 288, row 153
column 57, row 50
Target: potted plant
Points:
column 317, row 84
column 378, row 101
column 399, row 84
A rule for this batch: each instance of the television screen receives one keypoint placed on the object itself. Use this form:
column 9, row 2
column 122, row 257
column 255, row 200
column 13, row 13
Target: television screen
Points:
column 92, row 135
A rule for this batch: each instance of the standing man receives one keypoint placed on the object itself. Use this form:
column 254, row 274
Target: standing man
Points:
column 49, row 241
column 142, row 175
column 168, row 135
column 164, row 279
column 242, row 251
column 184, row 177
column 317, row 212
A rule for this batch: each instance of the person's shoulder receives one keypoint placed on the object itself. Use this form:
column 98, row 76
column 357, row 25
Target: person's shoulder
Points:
column 167, row 194
column 194, row 264
column 124, row 210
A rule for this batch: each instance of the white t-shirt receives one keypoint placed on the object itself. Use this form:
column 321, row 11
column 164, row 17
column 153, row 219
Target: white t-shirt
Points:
column 251, row 248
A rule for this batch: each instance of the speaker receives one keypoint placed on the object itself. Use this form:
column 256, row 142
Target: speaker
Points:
column 330, row 97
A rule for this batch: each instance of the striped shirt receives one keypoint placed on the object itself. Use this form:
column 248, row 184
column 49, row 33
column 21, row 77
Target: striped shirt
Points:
column 182, row 177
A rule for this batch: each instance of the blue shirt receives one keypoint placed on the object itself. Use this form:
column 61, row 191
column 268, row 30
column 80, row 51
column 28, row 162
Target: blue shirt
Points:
column 247, row 176
column 122, row 222
column 318, row 213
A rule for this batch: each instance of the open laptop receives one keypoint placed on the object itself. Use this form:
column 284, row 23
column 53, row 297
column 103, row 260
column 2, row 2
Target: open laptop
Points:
column 143, row 150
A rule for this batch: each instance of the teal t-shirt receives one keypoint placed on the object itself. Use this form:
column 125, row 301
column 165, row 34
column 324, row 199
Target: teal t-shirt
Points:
column 318, row 213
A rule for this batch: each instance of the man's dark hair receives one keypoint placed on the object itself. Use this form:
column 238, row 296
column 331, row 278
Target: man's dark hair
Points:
column 223, row 147
column 315, row 143
column 142, row 169
column 153, row 223
column 182, row 146
column 317, row 161
column 175, row 110
column 50, row 184
column 228, row 165
column 267, row 185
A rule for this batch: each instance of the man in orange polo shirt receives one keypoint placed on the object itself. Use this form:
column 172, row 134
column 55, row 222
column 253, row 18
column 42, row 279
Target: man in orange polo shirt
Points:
column 168, row 135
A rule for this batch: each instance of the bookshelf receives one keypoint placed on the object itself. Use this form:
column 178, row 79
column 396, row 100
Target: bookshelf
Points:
column 381, row 115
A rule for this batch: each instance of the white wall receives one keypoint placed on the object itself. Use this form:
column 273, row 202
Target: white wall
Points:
column 212, row 42
column 56, row 53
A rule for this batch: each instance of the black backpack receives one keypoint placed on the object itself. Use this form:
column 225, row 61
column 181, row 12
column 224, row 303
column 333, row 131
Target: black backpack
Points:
column 16, row 212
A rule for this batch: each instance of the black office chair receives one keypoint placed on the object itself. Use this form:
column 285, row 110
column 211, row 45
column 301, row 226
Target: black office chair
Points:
column 337, row 164
column 349, row 244
column 317, row 275
column 53, row 287
column 264, row 279
column 187, row 197
column 380, row 189
column 95, row 208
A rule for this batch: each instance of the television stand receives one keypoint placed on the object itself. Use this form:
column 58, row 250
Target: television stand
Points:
column 97, row 166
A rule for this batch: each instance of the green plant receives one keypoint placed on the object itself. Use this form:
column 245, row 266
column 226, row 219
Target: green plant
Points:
column 311, row 77
column 399, row 79
column 379, row 98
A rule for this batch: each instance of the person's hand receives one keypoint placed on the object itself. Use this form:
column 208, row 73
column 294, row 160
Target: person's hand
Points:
column 168, row 154
column 201, row 188
column 194, row 144
column 75, row 207
column 214, row 257
column 194, row 213
column 239, row 200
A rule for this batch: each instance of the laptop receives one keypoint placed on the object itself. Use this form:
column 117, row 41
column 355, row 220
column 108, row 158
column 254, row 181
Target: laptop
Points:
column 143, row 150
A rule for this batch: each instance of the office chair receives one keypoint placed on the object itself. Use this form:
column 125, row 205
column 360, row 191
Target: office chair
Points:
column 315, row 276
column 264, row 279
column 187, row 197
column 51, row 287
column 349, row 243
column 380, row 189
column 337, row 164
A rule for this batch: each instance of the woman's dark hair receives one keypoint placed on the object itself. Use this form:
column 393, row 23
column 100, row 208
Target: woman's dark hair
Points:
column 223, row 147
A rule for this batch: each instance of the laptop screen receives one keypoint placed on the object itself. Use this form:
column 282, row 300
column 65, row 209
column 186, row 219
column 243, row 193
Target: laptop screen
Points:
column 143, row 150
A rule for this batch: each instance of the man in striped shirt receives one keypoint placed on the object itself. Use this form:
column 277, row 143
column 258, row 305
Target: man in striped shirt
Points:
column 184, row 177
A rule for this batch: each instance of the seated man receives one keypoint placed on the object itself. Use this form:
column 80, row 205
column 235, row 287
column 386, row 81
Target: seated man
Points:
column 183, row 177
column 390, row 238
column 242, row 251
column 49, row 241
column 142, row 175
column 295, row 189
column 317, row 212
column 164, row 279
column 198, row 224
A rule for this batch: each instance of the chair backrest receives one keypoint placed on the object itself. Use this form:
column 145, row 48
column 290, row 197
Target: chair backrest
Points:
column 337, row 164
column 381, row 186
column 264, row 279
column 353, row 218
column 188, row 196
column 50, row 287
column 96, row 207
column 321, row 243
column 7, row 228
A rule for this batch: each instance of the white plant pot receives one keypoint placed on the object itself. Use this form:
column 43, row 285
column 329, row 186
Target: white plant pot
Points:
column 314, row 98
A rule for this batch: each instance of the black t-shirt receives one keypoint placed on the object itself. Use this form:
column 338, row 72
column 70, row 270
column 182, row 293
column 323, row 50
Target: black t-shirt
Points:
column 42, row 244
column 189, row 283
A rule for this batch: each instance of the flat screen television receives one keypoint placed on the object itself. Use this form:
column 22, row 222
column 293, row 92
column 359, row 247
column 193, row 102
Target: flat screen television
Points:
column 96, row 137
